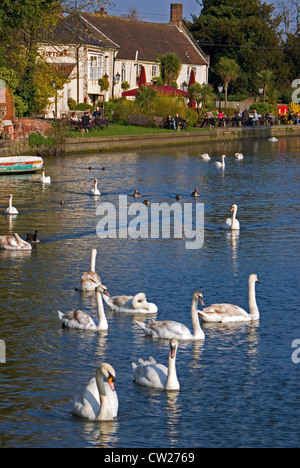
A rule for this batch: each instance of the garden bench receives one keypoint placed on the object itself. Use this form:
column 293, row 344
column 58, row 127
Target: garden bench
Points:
column 158, row 122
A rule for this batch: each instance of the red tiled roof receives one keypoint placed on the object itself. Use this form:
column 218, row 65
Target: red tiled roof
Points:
column 149, row 39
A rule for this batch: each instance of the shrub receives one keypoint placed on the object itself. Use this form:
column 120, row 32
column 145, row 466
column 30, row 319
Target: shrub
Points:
column 71, row 103
column 192, row 117
column 82, row 106
column 261, row 107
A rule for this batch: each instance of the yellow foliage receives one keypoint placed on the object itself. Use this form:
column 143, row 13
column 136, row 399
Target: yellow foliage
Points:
column 294, row 107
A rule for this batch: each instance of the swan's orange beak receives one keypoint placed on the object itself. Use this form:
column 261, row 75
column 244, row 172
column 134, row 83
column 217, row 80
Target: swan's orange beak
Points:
column 173, row 349
column 232, row 209
column 106, row 293
column 111, row 382
column 201, row 301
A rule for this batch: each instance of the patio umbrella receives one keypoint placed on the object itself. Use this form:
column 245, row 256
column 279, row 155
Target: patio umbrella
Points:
column 142, row 79
column 192, row 78
column 191, row 82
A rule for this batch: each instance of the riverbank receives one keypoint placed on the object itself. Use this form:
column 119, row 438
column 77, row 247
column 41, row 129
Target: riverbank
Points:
column 173, row 138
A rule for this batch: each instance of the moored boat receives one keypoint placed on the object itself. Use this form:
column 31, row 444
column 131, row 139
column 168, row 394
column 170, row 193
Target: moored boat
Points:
column 19, row 164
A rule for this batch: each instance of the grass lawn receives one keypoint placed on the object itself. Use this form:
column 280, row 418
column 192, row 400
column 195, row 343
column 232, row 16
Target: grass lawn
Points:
column 118, row 130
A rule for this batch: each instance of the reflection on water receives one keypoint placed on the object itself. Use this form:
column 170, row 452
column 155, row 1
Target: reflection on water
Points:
column 239, row 387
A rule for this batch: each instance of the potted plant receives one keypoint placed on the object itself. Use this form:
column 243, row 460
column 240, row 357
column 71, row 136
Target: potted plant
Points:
column 103, row 83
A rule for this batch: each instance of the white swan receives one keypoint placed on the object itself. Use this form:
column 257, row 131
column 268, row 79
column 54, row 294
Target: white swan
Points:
column 168, row 329
column 273, row 139
column 232, row 223
column 84, row 321
column 239, row 156
column 131, row 304
column 94, row 191
column 151, row 374
column 99, row 401
column 226, row 313
column 90, row 280
column 11, row 210
column 14, row 243
column 221, row 164
column 44, row 179
column 205, row 156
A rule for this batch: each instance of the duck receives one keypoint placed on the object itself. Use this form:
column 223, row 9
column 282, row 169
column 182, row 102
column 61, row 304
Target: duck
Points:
column 82, row 320
column 136, row 194
column 178, row 197
column 239, row 156
column 131, row 304
column 33, row 237
column 99, row 400
column 195, row 193
column 232, row 223
column 168, row 329
column 94, row 191
column 205, row 156
column 62, row 202
column 146, row 202
column 227, row 313
column 14, row 242
column 11, row 210
column 221, row 164
column 151, row 374
column 44, row 179
column 90, row 280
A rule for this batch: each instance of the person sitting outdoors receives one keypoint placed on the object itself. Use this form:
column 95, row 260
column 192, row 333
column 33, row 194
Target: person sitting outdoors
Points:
column 171, row 122
column 180, row 122
column 86, row 121
column 97, row 112
column 208, row 119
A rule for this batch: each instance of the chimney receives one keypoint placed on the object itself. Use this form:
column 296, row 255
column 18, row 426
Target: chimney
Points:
column 176, row 13
column 101, row 12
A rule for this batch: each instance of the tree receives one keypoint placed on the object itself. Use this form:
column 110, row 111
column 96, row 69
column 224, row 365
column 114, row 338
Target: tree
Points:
column 145, row 97
column 170, row 67
column 265, row 79
column 201, row 94
column 245, row 31
column 228, row 70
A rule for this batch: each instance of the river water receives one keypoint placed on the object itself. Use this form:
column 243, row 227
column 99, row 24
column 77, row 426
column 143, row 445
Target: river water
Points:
column 240, row 387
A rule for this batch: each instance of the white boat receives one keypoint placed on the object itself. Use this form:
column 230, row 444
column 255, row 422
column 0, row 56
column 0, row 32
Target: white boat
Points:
column 19, row 164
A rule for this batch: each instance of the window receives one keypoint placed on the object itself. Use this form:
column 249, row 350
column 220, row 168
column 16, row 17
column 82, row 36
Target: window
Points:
column 138, row 70
column 95, row 67
column 155, row 70
column 123, row 72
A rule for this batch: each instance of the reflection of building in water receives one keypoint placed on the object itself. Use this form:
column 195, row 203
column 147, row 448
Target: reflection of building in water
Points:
column 2, row 352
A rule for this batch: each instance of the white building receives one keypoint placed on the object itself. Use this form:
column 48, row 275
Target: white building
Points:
column 90, row 46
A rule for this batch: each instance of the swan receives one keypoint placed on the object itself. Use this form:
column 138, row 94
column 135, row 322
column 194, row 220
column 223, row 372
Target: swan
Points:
column 90, row 280
column 205, row 157
column 11, row 210
column 99, row 401
column 168, row 329
column 44, row 179
column 136, row 194
column 33, row 237
column 151, row 374
column 273, row 139
column 94, row 191
column 14, row 243
column 226, row 313
column 131, row 304
column 221, row 164
column 232, row 223
column 84, row 321
column 195, row 193
column 239, row 156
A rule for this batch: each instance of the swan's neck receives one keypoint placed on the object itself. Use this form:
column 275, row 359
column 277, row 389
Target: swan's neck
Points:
column 105, row 413
column 102, row 321
column 136, row 301
column 198, row 332
column 172, row 381
column 93, row 261
column 10, row 204
column 253, row 309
